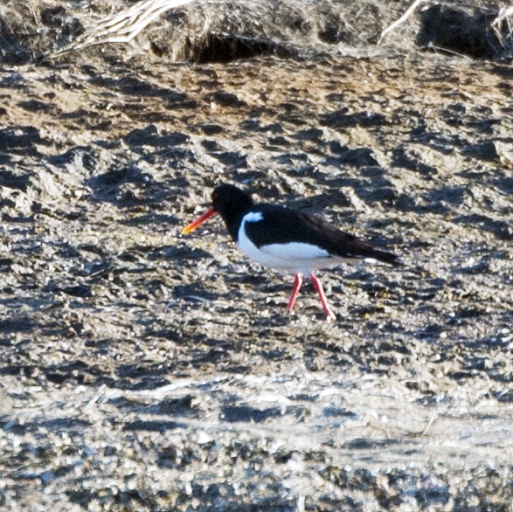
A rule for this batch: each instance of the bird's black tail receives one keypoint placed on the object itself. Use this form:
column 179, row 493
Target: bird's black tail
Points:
column 386, row 257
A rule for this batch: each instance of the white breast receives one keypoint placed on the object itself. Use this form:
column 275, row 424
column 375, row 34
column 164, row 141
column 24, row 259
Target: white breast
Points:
column 293, row 257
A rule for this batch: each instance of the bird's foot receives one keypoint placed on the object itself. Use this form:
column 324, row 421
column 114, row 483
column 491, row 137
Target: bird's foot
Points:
column 330, row 316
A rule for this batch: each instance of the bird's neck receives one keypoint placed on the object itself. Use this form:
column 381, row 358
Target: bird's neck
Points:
column 233, row 219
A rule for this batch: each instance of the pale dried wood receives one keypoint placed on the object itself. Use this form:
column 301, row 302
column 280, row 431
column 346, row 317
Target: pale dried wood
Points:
column 504, row 23
column 124, row 26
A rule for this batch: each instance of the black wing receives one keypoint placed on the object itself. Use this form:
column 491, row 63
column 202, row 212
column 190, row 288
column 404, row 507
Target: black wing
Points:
column 286, row 225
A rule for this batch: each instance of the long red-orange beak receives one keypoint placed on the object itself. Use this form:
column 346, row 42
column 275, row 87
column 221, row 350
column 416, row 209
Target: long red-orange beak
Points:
column 202, row 218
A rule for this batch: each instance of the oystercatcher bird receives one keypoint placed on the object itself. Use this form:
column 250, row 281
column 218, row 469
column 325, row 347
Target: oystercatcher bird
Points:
column 288, row 240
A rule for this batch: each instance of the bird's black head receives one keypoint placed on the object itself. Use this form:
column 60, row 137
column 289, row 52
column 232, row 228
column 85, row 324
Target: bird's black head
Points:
column 231, row 203
column 227, row 199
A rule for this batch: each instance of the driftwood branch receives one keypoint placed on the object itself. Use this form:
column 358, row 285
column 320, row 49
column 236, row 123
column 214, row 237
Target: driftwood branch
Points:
column 122, row 27
column 505, row 17
column 400, row 20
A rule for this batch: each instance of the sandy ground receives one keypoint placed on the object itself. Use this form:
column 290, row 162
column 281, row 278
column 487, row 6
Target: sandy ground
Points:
column 146, row 370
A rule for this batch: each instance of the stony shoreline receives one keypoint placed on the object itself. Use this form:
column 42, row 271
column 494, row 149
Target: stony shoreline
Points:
column 144, row 370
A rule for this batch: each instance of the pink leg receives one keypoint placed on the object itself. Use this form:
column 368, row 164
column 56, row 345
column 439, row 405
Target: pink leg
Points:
column 318, row 286
column 298, row 280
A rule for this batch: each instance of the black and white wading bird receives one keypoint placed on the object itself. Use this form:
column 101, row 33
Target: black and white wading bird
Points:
column 288, row 240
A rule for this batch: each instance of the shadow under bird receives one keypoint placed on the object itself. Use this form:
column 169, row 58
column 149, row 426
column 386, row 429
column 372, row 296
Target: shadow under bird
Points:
column 287, row 240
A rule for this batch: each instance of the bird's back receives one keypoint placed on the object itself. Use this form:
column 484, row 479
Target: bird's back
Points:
column 289, row 226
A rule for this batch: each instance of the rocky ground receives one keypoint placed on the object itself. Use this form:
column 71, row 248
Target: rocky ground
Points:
column 146, row 370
